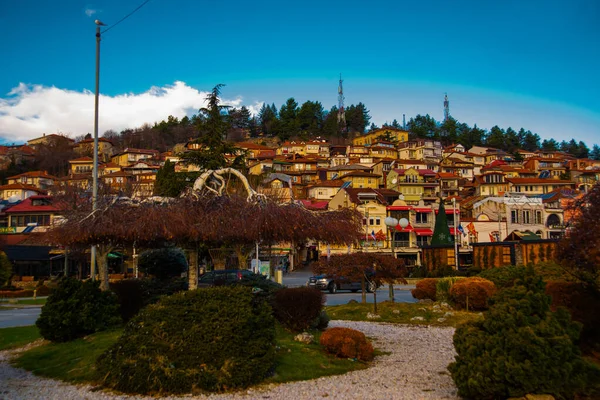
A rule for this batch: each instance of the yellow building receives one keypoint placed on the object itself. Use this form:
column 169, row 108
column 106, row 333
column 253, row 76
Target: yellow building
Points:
column 82, row 165
column 388, row 133
column 414, row 184
column 361, row 179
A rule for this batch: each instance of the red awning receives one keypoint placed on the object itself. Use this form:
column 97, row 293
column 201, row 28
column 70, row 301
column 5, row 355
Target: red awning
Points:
column 399, row 208
column 423, row 210
column 452, row 231
column 409, row 228
column 450, row 211
column 423, row 232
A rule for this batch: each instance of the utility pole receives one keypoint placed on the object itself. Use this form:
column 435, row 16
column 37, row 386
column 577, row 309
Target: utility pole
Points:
column 95, row 169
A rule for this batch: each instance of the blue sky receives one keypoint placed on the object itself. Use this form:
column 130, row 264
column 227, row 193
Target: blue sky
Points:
column 530, row 64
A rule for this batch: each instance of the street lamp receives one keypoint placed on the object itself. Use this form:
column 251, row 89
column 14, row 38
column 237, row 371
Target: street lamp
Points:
column 392, row 224
column 95, row 169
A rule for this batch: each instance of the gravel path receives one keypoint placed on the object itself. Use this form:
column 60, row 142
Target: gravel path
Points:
column 414, row 369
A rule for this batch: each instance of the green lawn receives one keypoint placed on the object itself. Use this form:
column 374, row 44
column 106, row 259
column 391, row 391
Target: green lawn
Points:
column 32, row 301
column 296, row 361
column 16, row 337
column 74, row 361
column 401, row 313
column 70, row 361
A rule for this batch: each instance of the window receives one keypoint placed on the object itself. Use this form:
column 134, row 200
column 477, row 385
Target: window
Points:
column 377, row 221
column 371, row 221
column 23, row 220
column 421, row 218
column 526, row 217
column 538, row 217
column 514, row 217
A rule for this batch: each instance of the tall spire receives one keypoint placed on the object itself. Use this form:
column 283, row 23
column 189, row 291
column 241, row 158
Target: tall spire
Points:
column 341, row 111
column 446, row 107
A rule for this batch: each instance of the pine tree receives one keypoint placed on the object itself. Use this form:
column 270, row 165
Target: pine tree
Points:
column 520, row 347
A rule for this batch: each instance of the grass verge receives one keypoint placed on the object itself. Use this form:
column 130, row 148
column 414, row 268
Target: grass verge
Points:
column 402, row 313
column 297, row 361
column 11, row 338
column 32, row 301
column 71, row 361
column 74, row 361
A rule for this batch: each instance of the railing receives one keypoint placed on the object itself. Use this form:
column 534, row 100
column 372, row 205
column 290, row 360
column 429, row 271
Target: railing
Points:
column 401, row 243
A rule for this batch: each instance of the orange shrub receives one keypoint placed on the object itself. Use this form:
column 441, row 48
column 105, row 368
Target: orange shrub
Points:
column 476, row 290
column 425, row 289
column 347, row 343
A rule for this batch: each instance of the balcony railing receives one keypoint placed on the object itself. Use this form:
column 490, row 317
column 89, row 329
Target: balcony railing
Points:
column 401, row 243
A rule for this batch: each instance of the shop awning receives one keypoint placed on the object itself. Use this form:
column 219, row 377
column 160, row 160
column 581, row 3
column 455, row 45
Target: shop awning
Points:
column 423, row 232
column 450, row 211
column 453, row 231
column 399, row 208
column 423, row 210
column 408, row 228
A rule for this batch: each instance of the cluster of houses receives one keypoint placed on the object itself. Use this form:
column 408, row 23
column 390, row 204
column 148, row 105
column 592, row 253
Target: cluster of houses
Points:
column 489, row 195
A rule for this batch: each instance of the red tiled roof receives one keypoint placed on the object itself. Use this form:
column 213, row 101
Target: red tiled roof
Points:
column 525, row 181
column 21, row 186
column 27, row 206
column 33, row 174
column 82, row 159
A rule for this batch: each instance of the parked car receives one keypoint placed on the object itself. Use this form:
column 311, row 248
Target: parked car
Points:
column 332, row 284
column 223, row 277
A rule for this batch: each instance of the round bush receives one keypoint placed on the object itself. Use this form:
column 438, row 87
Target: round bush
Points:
column 472, row 292
column 210, row 339
column 347, row 343
column 520, row 347
column 43, row 290
column 425, row 289
column 163, row 263
column 75, row 309
column 298, row 308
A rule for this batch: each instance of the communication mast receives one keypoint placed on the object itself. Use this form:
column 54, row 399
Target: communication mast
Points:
column 341, row 111
column 446, row 107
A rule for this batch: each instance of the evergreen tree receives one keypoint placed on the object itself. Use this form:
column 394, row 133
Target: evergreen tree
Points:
column 424, row 127
column 213, row 130
column 288, row 116
column 595, row 153
column 357, row 118
column 441, row 231
column 449, row 131
column 550, row 145
column 496, row 138
column 520, row 347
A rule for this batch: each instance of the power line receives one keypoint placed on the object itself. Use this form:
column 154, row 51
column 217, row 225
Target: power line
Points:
column 125, row 17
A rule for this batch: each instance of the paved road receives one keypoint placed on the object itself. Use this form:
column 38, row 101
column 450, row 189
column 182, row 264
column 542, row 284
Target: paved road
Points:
column 401, row 292
column 27, row 315
column 22, row 316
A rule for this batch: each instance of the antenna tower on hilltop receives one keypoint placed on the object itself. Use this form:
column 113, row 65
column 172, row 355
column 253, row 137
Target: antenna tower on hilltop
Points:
column 446, row 107
column 341, row 111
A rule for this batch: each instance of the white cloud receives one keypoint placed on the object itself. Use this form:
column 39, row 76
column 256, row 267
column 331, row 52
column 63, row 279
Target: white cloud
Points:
column 90, row 11
column 31, row 110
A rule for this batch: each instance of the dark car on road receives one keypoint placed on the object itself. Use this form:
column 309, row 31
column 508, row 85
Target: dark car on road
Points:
column 332, row 284
column 223, row 277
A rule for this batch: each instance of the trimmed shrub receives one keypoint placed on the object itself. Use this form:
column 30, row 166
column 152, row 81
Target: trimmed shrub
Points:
column 297, row 308
column 582, row 303
column 505, row 276
column 425, row 289
column 165, row 263
column 16, row 293
column 153, row 289
column 520, row 347
column 442, row 287
column 267, row 287
column 212, row 339
column 43, row 290
column 321, row 322
column 347, row 343
column 130, row 293
column 75, row 309
column 6, row 268
column 472, row 293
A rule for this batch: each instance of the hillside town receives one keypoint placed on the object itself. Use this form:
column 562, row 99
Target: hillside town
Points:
column 489, row 195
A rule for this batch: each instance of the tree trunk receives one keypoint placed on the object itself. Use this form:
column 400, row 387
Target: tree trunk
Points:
column 102, row 262
column 391, row 292
column 364, row 290
column 193, row 268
